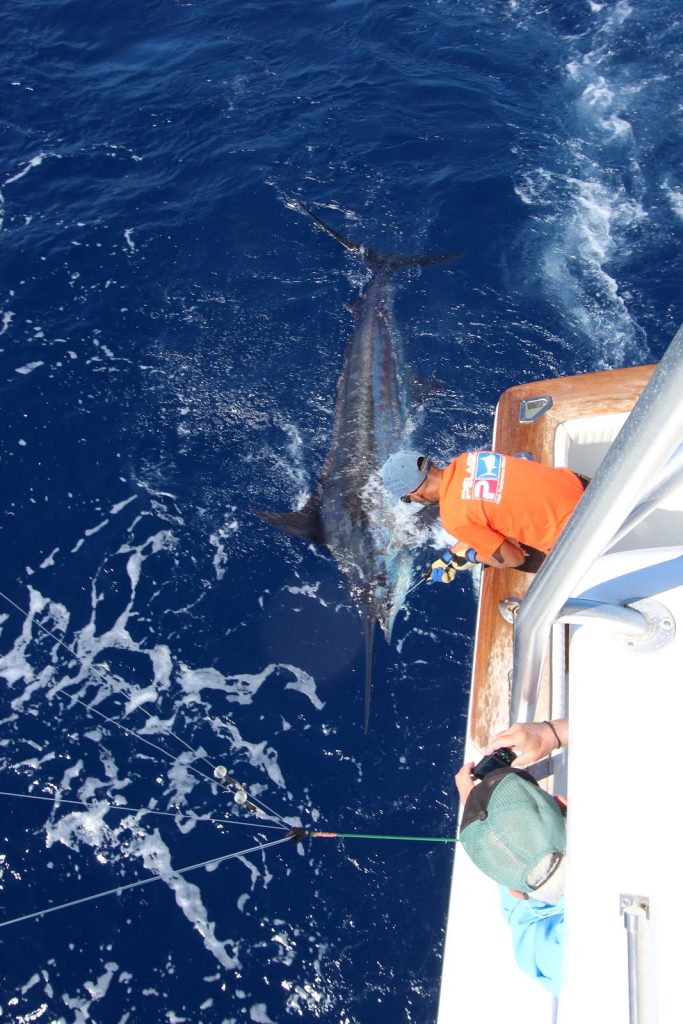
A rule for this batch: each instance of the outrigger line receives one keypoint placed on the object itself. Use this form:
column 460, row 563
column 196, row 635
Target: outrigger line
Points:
column 220, row 776
column 143, row 881
column 295, row 835
column 193, row 815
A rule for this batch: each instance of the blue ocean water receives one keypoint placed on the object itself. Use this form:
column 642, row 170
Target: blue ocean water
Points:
column 171, row 336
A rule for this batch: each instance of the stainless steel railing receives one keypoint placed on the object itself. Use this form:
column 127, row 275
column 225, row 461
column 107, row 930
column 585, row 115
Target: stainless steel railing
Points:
column 639, row 454
column 635, row 911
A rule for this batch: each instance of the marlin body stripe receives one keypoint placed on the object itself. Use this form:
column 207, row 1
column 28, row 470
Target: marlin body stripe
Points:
column 350, row 511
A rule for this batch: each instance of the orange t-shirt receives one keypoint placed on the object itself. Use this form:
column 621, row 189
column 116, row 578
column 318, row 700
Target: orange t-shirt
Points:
column 486, row 497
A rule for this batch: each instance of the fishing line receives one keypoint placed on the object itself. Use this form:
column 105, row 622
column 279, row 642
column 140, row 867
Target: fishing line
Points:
column 191, row 814
column 367, row 835
column 105, row 678
column 155, row 746
column 143, row 881
column 416, row 585
column 297, row 835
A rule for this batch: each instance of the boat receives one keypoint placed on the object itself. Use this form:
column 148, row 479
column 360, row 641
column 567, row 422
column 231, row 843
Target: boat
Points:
column 597, row 637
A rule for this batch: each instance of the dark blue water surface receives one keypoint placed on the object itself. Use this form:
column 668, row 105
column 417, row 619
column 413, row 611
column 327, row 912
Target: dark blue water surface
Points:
column 171, row 336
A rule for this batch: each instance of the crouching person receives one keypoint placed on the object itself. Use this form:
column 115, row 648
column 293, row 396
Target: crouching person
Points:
column 515, row 833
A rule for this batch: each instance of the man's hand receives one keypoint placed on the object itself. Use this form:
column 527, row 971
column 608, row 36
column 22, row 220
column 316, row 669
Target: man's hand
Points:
column 531, row 740
column 443, row 570
column 465, row 781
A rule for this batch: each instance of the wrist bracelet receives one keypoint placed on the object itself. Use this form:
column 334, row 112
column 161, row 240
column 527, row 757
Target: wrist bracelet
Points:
column 471, row 555
column 554, row 732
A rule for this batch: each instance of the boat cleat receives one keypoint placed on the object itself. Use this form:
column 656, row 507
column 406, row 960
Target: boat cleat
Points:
column 508, row 608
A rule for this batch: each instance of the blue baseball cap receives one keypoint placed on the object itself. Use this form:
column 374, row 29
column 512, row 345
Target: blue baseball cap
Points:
column 404, row 471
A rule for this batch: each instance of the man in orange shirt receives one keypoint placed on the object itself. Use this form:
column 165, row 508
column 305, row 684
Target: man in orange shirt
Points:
column 505, row 511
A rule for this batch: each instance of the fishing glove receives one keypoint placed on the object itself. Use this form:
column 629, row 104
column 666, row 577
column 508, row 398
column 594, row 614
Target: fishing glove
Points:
column 443, row 570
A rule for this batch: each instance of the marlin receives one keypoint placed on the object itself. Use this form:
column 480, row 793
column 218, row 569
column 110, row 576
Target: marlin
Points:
column 349, row 511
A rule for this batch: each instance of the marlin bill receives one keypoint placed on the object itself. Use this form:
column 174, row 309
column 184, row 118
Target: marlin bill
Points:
column 349, row 511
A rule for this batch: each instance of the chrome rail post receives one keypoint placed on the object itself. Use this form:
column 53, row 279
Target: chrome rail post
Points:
column 635, row 911
column 641, row 449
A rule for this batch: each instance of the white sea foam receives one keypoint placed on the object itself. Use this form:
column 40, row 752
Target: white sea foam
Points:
column 590, row 196
column 242, row 688
column 308, row 590
column 35, row 161
column 98, row 989
column 291, row 463
column 143, row 695
column 285, row 948
column 156, row 858
column 30, row 983
column 675, row 197
column 29, row 367
column 88, row 829
column 305, row 684
column 79, row 827
column 217, row 540
column 259, row 754
column 254, row 872
column 15, row 665
column 50, row 560
column 259, row 1013
column 180, row 777
column 115, row 509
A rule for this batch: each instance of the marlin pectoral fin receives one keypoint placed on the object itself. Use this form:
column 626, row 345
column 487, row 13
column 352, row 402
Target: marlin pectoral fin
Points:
column 305, row 523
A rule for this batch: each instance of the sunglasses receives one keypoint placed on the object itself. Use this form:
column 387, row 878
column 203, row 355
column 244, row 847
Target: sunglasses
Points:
column 422, row 463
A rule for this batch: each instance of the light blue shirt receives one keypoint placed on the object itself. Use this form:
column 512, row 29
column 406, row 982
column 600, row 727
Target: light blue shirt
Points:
column 537, row 936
